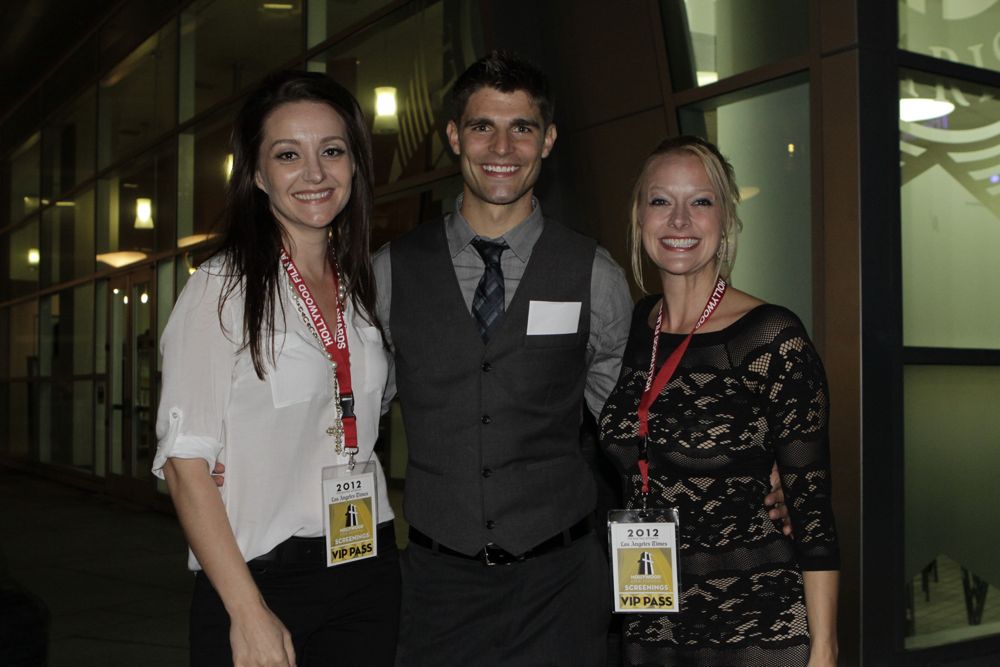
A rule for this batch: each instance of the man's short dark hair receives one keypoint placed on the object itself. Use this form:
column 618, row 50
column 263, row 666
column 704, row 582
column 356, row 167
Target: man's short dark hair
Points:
column 508, row 73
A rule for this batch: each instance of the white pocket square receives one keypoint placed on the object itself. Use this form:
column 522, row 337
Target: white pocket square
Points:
column 547, row 318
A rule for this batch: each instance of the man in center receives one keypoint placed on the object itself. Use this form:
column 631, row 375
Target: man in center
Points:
column 504, row 325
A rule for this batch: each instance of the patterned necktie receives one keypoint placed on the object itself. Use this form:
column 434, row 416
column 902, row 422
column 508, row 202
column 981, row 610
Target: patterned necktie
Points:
column 488, row 302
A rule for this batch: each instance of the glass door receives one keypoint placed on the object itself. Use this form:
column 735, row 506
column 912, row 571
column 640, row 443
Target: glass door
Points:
column 132, row 381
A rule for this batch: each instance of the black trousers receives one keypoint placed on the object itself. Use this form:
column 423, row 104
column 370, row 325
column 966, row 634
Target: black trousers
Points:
column 345, row 615
column 550, row 610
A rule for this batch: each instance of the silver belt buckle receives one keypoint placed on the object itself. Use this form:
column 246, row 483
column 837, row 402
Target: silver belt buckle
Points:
column 494, row 555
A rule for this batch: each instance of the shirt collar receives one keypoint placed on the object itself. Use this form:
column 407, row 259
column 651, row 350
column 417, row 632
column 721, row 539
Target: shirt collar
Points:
column 521, row 239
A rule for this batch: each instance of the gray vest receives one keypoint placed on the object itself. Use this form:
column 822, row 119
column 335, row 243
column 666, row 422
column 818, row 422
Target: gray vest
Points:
column 492, row 429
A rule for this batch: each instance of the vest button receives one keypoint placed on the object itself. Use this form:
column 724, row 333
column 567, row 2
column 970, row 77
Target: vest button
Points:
column 486, row 419
column 487, row 472
column 491, row 524
column 487, row 367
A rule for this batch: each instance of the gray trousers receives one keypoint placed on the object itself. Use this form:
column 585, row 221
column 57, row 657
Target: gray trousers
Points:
column 550, row 610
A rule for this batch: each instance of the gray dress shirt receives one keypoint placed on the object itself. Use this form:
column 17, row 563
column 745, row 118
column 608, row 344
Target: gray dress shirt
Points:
column 610, row 301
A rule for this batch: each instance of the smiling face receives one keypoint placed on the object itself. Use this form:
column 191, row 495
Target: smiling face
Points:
column 500, row 141
column 680, row 216
column 305, row 166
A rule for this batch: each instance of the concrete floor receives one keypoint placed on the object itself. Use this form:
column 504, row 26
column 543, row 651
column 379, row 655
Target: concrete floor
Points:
column 113, row 577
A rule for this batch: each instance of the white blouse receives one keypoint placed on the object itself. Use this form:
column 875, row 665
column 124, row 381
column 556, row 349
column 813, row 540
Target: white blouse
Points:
column 270, row 433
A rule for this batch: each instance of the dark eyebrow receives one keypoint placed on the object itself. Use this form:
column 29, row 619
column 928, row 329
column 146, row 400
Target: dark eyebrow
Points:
column 325, row 140
column 530, row 122
column 516, row 122
column 472, row 122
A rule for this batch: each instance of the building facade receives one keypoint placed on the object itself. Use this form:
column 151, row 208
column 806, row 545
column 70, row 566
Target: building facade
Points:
column 866, row 140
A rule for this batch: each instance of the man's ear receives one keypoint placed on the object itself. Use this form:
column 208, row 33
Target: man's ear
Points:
column 451, row 129
column 550, row 139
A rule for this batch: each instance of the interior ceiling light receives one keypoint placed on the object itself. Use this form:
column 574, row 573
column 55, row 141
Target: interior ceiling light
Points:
column 748, row 192
column 143, row 213
column 915, row 109
column 277, row 6
column 185, row 241
column 705, row 77
column 386, row 118
column 121, row 258
column 34, row 257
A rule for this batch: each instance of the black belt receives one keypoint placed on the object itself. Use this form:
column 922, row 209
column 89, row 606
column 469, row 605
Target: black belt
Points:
column 491, row 554
column 310, row 550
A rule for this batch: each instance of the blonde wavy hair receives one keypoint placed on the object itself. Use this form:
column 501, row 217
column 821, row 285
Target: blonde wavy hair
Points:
column 723, row 178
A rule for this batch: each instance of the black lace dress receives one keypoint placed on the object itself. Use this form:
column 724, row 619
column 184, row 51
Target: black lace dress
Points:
column 741, row 398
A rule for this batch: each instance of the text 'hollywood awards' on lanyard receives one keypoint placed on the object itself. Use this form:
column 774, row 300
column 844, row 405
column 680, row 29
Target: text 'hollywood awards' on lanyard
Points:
column 345, row 426
column 654, row 385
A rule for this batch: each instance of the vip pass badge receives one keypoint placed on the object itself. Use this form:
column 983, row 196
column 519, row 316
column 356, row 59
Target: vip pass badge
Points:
column 350, row 499
column 644, row 566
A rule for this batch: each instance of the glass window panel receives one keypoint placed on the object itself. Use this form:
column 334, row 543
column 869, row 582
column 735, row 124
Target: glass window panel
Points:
column 413, row 55
column 50, row 401
column 215, row 66
column 24, row 339
column 65, row 333
column 23, row 260
column 82, row 323
column 962, row 32
column 100, row 370
column 708, row 40
column 952, row 452
column 144, row 379
column 25, row 179
column 137, row 209
column 81, row 435
column 950, row 201
column 185, row 268
column 20, row 423
column 204, row 166
column 48, row 333
column 137, row 99
column 66, row 426
column 70, row 146
column 67, row 239
column 766, row 137
column 5, row 421
column 164, row 303
column 4, row 344
column 329, row 17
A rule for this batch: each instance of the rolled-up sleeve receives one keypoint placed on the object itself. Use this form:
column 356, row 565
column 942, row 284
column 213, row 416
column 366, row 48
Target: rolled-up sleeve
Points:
column 198, row 370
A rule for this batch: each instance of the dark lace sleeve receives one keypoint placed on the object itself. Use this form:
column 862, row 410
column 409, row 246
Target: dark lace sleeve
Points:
column 799, row 416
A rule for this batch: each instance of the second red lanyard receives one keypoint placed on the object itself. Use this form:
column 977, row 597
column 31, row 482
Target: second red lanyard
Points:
column 656, row 382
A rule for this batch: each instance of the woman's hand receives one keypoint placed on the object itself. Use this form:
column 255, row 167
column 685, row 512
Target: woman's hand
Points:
column 774, row 501
column 259, row 639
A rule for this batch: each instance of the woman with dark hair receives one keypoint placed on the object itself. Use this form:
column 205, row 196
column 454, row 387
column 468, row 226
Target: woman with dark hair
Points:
column 274, row 365
column 716, row 386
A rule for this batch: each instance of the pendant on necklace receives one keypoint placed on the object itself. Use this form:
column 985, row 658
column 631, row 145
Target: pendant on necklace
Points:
column 337, row 433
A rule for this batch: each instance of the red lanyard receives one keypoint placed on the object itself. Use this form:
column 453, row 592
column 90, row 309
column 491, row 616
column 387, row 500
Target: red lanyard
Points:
column 337, row 351
column 654, row 385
